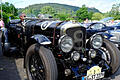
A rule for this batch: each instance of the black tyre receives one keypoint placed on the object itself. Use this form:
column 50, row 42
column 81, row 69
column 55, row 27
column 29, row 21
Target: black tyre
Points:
column 2, row 44
column 113, row 53
column 5, row 51
column 40, row 65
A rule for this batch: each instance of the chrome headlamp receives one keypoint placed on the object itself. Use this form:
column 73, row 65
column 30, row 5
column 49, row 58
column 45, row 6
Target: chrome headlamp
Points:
column 92, row 53
column 96, row 41
column 65, row 43
column 75, row 56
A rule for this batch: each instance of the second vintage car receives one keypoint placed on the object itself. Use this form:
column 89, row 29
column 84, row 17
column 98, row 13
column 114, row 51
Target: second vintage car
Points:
column 112, row 33
column 62, row 50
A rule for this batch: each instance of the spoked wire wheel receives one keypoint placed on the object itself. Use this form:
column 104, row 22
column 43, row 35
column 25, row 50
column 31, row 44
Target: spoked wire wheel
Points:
column 40, row 64
column 36, row 68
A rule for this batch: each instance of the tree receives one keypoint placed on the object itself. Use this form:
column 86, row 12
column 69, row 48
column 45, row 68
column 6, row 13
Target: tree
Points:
column 14, row 11
column 5, row 17
column 90, row 14
column 83, row 13
column 47, row 10
column 64, row 17
column 9, row 8
column 106, row 14
column 97, row 16
column 115, row 11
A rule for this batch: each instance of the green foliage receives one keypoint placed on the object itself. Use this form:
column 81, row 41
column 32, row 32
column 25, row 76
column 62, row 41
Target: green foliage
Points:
column 97, row 16
column 83, row 13
column 9, row 8
column 90, row 14
column 64, row 17
column 12, row 16
column 117, row 17
column 115, row 11
column 58, row 8
column 106, row 14
column 47, row 10
column 93, row 10
column 5, row 17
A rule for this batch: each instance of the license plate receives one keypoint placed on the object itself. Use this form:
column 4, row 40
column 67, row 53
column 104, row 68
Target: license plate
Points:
column 94, row 77
column 94, row 73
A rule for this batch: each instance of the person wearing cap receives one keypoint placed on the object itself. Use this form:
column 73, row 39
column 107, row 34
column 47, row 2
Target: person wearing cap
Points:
column 21, row 23
column 22, row 17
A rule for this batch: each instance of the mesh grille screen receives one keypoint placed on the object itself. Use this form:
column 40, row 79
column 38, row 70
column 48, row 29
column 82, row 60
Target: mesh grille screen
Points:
column 78, row 35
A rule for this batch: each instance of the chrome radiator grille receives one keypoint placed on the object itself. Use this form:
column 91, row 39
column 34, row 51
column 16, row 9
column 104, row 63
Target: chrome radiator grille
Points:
column 78, row 35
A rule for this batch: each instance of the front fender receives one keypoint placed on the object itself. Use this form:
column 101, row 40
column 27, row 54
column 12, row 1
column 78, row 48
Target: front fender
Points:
column 41, row 39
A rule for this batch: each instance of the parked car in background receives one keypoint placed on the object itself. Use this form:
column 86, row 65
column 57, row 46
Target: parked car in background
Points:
column 96, row 27
column 111, row 33
column 115, row 34
column 62, row 50
column 116, row 26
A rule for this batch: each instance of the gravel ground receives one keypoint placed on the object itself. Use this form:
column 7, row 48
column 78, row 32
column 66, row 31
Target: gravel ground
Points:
column 12, row 69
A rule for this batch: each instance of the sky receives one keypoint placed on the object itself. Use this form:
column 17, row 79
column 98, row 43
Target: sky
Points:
column 102, row 5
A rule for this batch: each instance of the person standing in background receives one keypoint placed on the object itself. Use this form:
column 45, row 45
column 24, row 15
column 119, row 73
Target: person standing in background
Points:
column 22, row 17
column 2, row 27
column 1, row 23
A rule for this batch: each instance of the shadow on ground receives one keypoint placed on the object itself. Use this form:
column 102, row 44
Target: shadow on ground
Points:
column 116, row 76
column 11, row 69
